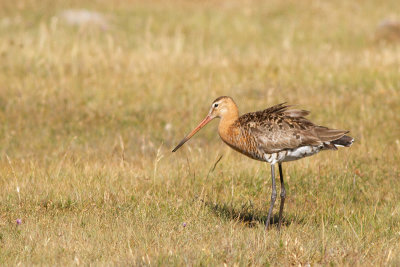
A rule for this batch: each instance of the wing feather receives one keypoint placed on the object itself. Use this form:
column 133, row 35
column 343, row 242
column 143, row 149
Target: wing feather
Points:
column 280, row 128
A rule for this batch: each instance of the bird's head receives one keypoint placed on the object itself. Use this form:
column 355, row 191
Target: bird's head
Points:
column 220, row 107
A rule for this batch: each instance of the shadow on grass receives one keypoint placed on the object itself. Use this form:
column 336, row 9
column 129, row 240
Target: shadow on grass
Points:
column 247, row 214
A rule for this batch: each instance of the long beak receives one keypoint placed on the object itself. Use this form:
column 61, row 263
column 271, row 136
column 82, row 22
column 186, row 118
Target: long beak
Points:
column 201, row 125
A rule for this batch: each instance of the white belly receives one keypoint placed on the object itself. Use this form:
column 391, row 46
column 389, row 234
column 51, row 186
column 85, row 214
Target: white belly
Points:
column 293, row 154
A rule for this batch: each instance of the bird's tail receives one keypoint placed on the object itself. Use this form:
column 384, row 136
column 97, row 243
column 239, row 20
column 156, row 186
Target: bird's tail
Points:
column 333, row 138
column 345, row 141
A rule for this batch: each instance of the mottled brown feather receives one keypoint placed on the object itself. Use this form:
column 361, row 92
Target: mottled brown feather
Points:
column 279, row 128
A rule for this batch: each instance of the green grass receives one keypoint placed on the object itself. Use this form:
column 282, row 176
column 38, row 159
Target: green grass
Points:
column 89, row 118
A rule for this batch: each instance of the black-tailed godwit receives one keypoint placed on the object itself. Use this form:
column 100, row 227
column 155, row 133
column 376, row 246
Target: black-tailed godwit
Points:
column 274, row 135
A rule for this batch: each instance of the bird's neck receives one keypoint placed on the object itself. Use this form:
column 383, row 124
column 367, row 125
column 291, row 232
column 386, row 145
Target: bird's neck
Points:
column 224, row 128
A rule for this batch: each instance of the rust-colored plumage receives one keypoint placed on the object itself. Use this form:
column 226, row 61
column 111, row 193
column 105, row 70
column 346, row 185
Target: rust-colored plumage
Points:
column 275, row 135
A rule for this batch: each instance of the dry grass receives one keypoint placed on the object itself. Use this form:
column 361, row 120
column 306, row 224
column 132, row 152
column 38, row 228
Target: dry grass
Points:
column 89, row 116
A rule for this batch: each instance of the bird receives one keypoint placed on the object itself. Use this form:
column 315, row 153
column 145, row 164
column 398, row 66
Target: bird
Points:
column 275, row 135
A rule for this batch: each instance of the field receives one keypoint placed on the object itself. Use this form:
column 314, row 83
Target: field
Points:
column 90, row 112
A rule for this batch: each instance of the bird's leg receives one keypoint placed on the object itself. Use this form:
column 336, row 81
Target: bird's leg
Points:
column 283, row 196
column 273, row 196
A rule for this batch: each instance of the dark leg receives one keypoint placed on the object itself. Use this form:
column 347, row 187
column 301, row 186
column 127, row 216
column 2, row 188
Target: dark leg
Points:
column 273, row 196
column 283, row 195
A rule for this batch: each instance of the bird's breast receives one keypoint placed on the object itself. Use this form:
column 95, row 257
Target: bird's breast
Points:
column 241, row 141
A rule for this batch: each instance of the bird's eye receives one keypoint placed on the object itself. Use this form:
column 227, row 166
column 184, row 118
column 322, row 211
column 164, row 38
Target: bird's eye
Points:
column 215, row 105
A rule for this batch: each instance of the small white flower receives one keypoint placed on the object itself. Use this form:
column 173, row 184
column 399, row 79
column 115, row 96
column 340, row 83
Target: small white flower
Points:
column 168, row 127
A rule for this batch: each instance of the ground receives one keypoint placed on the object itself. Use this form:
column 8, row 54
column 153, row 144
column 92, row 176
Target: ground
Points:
column 90, row 112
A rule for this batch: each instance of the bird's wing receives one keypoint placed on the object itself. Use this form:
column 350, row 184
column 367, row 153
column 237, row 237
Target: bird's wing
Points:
column 277, row 128
column 283, row 139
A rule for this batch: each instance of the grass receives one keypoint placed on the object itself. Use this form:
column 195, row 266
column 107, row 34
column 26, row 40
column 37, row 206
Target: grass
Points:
column 89, row 117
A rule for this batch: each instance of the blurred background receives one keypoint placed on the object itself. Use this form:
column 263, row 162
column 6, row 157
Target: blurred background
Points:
column 148, row 70
column 95, row 94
